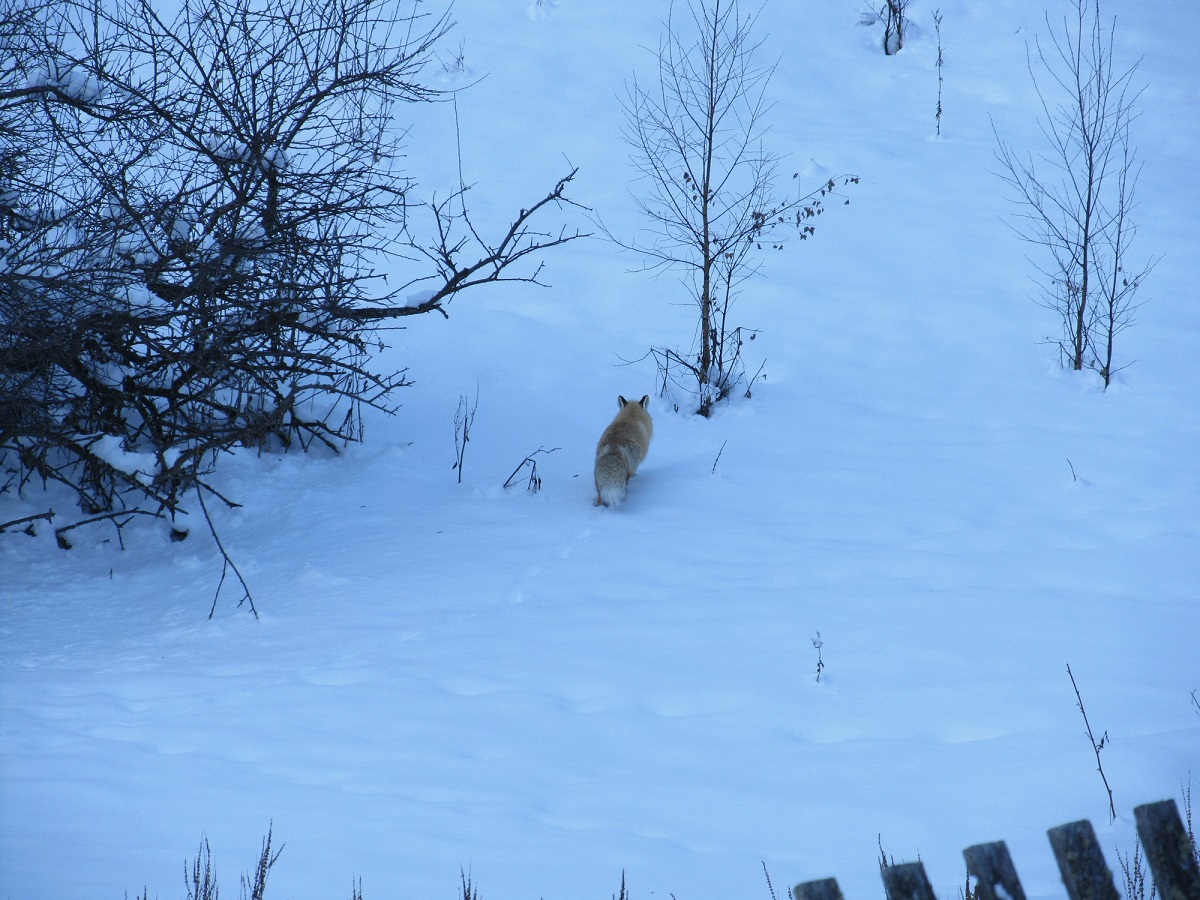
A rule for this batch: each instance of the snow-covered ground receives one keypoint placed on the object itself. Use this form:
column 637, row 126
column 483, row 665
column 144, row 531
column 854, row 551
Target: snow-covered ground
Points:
column 545, row 693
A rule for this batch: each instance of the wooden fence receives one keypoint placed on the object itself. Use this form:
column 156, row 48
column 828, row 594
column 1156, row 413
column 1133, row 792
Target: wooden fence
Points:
column 1167, row 845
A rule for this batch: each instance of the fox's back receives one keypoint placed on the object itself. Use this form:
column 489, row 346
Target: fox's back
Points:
column 621, row 449
column 628, row 435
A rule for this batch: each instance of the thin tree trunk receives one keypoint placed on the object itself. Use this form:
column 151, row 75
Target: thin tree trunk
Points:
column 706, row 301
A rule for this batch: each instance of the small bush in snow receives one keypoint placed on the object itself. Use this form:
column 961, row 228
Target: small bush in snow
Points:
column 893, row 15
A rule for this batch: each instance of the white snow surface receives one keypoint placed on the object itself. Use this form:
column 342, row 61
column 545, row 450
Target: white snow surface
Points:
column 546, row 694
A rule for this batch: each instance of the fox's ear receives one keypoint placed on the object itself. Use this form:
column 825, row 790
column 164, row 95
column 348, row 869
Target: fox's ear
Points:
column 645, row 401
column 621, row 401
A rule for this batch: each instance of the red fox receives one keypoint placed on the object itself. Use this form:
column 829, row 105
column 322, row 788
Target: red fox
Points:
column 621, row 450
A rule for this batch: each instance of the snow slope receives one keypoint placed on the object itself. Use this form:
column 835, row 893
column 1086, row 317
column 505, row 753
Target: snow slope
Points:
column 548, row 694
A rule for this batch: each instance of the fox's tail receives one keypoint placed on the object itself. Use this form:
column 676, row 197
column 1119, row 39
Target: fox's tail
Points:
column 611, row 480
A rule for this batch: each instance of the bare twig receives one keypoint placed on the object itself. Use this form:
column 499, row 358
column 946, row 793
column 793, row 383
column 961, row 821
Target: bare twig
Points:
column 1186, row 794
column 534, row 484
column 718, row 459
column 1134, row 872
column 1097, row 746
column 115, row 517
column 758, row 376
column 492, row 263
column 770, row 887
column 201, row 880
column 227, row 562
column 255, row 889
column 884, row 861
column 48, row 516
column 469, row 890
column 937, row 26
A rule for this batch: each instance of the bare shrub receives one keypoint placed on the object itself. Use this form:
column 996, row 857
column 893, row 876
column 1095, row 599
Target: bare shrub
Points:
column 193, row 216
column 893, row 15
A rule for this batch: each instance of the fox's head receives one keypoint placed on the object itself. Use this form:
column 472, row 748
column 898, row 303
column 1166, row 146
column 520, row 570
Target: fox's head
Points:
column 644, row 403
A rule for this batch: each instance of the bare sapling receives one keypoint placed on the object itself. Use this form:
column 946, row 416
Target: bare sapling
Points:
column 464, row 418
column 1076, row 197
column 709, row 186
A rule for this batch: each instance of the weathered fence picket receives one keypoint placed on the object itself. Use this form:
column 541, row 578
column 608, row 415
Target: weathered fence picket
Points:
column 907, row 881
column 992, row 867
column 1170, row 853
column 825, row 889
column 1081, row 863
